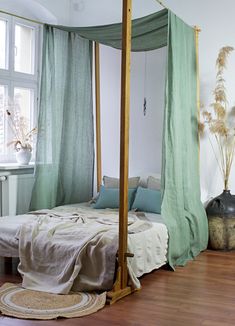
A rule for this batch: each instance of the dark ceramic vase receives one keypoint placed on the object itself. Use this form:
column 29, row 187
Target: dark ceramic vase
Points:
column 222, row 205
column 221, row 219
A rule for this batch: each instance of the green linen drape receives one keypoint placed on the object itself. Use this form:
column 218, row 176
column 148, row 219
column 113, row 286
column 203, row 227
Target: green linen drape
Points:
column 148, row 33
column 181, row 205
column 65, row 149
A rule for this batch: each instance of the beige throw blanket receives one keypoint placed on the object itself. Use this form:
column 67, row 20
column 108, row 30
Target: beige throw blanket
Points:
column 64, row 251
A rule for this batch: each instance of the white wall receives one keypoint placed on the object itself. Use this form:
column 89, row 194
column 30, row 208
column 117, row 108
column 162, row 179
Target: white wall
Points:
column 145, row 131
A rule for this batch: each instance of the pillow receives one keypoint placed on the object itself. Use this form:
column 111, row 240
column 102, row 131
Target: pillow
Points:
column 110, row 182
column 144, row 178
column 153, row 183
column 147, row 200
column 109, row 198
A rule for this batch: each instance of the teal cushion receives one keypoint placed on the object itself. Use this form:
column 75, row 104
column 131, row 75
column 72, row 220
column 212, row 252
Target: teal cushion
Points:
column 109, row 198
column 147, row 200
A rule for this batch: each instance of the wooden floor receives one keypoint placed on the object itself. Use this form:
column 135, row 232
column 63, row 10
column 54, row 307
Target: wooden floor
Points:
column 202, row 293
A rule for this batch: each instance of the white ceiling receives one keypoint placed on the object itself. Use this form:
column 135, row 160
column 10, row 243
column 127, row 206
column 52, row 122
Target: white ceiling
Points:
column 90, row 12
column 29, row 9
column 77, row 12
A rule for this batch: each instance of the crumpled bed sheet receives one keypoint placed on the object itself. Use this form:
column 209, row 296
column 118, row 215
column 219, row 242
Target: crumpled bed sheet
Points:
column 74, row 247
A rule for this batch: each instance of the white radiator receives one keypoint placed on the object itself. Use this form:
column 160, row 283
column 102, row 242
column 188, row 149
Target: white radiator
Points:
column 15, row 193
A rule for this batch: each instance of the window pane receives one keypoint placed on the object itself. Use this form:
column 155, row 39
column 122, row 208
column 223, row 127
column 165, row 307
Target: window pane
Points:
column 3, row 36
column 24, row 49
column 24, row 103
column 3, row 101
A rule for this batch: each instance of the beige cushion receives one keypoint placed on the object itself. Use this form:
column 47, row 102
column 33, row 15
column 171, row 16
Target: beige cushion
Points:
column 153, row 183
column 144, row 178
column 110, row 182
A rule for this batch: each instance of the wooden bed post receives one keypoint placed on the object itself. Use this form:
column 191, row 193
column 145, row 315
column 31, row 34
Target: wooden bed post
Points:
column 124, row 140
column 197, row 30
column 120, row 288
column 98, row 122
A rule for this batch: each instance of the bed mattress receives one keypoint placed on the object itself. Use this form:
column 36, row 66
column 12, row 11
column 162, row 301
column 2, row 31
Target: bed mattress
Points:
column 148, row 245
column 9, row 227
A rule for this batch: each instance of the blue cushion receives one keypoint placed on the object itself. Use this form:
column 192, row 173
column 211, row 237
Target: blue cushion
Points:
column 147, row 200
column 109, row 198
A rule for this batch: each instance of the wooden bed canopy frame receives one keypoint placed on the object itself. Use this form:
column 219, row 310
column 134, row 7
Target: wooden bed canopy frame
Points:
column 120, row 287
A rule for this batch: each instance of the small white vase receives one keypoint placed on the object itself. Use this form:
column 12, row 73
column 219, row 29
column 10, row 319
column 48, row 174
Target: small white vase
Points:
column 23, row 156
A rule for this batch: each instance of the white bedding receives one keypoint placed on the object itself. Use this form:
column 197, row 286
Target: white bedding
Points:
column 149, row 247
column 9, row 226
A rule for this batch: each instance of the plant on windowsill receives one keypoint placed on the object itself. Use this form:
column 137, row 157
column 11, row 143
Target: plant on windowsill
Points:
column 220, row 122
column 23, row 137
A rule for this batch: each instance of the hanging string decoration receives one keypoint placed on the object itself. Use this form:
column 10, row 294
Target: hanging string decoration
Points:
column 145, row 106
column 145, row 82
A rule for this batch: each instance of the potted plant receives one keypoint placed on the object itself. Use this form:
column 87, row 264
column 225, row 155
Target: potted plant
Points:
column 220, row 122
column 23, row 137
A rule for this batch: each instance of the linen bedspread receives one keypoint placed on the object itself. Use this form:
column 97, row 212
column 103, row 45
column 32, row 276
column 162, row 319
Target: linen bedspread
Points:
column 63, row 251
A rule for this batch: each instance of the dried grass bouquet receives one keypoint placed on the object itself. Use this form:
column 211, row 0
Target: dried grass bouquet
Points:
column 220, row 119
column 23, row 136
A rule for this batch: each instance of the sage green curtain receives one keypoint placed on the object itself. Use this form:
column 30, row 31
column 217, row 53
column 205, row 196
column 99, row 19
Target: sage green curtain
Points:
column 65, row 148
column 66, row 98
column 181, row 205
column 148, row 33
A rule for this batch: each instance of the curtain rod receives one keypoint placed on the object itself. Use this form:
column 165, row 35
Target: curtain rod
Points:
column 21, row 17
column 162, row 4
column 197, row 28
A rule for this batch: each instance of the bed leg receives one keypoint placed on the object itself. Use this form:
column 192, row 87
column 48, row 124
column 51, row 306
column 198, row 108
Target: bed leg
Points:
column 117, row 292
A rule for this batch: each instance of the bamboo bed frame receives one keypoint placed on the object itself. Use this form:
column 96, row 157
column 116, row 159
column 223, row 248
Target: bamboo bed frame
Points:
column 120, row 288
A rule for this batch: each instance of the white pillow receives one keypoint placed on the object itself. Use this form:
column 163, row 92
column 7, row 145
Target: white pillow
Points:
column 110, row 182
column 153, row 183
column 144, row 178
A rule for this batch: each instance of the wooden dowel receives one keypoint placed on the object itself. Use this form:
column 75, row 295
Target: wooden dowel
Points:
column 124, row 140
column 98, row 116
column 197, row 31
column 162, row 4
column 21, row 17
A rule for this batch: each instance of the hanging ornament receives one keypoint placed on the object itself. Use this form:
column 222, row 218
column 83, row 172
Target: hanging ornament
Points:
column 145, row 106
column 145, row 82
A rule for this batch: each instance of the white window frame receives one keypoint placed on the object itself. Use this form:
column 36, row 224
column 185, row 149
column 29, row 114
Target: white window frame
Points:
column 12, row 78
column 7, row 18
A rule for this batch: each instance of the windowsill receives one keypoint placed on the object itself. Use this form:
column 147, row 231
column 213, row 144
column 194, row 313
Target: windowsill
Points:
column 16, row 166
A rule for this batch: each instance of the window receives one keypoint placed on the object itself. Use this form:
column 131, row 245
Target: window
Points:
column 19, row 72
column 24, row 49
column 3, row 41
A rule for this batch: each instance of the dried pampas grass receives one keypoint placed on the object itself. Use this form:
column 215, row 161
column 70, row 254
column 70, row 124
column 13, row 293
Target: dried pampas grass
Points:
column 221, row 121
column 221, row 61
column 219, row 110
column 219, row 127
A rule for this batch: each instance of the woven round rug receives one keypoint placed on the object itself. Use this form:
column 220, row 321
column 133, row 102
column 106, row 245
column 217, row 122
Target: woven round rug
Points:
column 27, row 304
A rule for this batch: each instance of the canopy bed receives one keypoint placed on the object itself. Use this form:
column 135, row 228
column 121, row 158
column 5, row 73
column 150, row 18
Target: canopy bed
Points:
column 63, row 177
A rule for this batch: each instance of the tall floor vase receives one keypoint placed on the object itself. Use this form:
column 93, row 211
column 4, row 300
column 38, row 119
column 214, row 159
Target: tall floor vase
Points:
column 221, row 219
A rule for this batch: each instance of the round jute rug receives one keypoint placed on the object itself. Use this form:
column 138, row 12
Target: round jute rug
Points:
column 27, row 304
